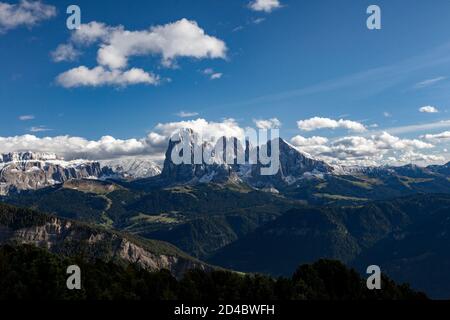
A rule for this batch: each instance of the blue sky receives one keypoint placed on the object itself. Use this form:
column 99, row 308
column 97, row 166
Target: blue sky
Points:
column 301, row 60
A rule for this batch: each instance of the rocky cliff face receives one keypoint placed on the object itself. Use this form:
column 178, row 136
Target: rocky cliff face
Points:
column 31, row 171
column 293, row 165
column 68, row 238
column 196, row 171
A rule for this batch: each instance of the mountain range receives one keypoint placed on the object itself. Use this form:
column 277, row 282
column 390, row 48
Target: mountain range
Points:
column 21, row 171
column 299, row 175
column 232, row 216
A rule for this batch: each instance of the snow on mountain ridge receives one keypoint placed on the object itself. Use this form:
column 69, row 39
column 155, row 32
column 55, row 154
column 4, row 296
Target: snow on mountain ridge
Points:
column 132, row 168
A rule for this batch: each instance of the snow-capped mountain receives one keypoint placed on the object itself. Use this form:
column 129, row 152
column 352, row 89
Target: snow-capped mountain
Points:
column 30, row 171
column 214, row 171
column 293, row 164
column 131, row 168
column 21, row 171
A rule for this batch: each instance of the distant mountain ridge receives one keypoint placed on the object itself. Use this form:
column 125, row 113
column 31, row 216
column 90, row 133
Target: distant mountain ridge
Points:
column 31, row 171
column 299, row 176
column 131, row 168
column 20, row 171
column 407, row 237
column 229, row 214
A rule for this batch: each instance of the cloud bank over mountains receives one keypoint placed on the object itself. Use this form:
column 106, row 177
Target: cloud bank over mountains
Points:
column 370, row 150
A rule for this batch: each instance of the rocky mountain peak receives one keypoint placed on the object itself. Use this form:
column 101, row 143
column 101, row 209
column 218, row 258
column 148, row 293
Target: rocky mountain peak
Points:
column 224, row 164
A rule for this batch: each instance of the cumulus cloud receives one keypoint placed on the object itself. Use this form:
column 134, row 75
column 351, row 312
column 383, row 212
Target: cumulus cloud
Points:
column 267, row 124
column 65, row 52
column 153, row 145
column 116, row 45
column 25, row 13
column 314, row 146
column 99, row 76
column 183, row 38
column 209, row 130
column 378, row 149
column 77, row 147
column 326, row 123
column 417, row 157
column 89, row 33
column 264, row 5
column 429, row 109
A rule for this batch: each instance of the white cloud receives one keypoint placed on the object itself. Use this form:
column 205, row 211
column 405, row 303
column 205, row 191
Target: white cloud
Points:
column 216, row 76
column 387, row 114
column 356, row 150
column 99, row 76
column 273, row 123
column 238, row 28
column 92, row 32
column 76, row 147
column 314, row 146
column 26, row 117
column 300, row 141
column 377, row 149
column 39, row 129
column 65, row 52
column 183, row 38
column 212, row 74
column 417, row 157
column 429, row 109
column 323, row 123
column 258, row 20
column 264, row 5
column 209, row 130
column 440, row 137
column 185, row 114
column 429, row 82
column 419, row 127
column 153, row 145
column 25, row 13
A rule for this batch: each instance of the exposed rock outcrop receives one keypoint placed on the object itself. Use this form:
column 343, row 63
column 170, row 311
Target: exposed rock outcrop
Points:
column 70, row 238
